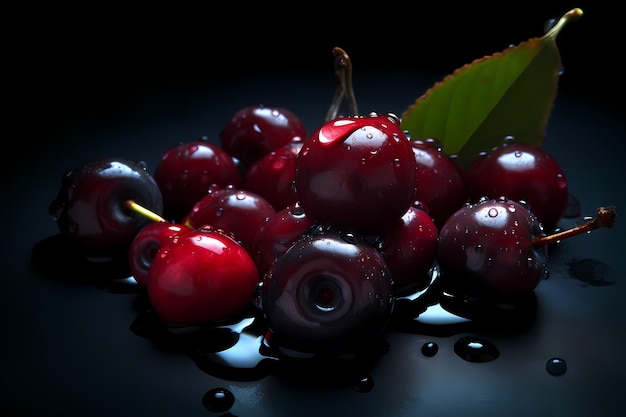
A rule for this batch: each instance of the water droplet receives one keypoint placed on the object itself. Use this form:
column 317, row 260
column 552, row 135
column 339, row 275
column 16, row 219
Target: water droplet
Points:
column 218, row 399
column 476, row 349
column 561, row 181
column 493, row 212
column 364, row 384
column 430, row 349
column 556, row 366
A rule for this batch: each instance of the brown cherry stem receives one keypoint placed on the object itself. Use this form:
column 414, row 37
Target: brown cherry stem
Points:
column 343, row 71
column 131, row 204
column 605, row 217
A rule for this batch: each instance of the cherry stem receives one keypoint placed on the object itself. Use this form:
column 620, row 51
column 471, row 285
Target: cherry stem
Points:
column 131, row 204
column 605, row 217
column 343, row 71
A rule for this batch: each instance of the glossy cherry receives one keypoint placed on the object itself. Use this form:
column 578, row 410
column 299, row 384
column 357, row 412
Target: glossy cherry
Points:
column 357, row 173
column 277, row 235
column 486, row 250
column 441, row 186
column 410, row 250
column 188, row 170
column 90, row 207
column 239, row 212
column 201, row 276
column 328, row 293
column 526, row 173
column 272, row 176
column 256, row 130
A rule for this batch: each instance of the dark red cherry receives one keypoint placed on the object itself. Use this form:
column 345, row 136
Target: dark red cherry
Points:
column 486, row 250
column 200, row 276
column 357, row 173
column 272, row 176
column 524, row 173
column 146, row 245
column 410, row 250
column 441, row 186
column 236, row 211
column 256, row 130
column 330, row 292
column 188, row 170
column 277, row 234
column 91, row 209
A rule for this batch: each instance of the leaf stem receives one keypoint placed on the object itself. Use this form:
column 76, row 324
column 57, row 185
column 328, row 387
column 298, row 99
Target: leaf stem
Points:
column 605, row 217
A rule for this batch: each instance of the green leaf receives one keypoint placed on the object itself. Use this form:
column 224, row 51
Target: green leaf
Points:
column 506, row 94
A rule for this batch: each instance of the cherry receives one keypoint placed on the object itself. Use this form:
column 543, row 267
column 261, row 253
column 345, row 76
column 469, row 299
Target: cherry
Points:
column 256, row 130
column 202, row 275
column 410, row 249
column 524, row 173
column 186, row 171
column 441, row 186
column 486, row 250
column 328, row 293
column 272, row 176
column 146, row 245
column 233, row 210
column 277, row 235
column 90, row 208
column 357, row 173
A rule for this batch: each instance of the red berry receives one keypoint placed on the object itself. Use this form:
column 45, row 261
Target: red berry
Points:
column 255, row 131
column 272, row 176
column 236, row 211
column 203, row 275
column 410, row 250
column 330, row 292
column 526, row 173
column 188, row 170
column 486, row 250
column 357, row 173
column 90, row 207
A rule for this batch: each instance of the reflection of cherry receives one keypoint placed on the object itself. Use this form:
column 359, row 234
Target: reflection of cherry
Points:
column 327, row 293
column 201, row 275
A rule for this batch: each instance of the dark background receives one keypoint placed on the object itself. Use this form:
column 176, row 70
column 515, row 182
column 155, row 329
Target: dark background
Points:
column 84, row 63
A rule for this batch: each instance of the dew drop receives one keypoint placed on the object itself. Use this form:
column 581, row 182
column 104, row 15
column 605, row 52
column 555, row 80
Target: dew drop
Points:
column 561, row 181
column 556, row 366
column 493, row 212
column 476, row 349
column 218, row 399
column 430, row 349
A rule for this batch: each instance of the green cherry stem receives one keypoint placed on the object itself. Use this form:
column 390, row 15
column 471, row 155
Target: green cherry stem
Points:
column 131, row 204
column 343, row 71
column 605, row 217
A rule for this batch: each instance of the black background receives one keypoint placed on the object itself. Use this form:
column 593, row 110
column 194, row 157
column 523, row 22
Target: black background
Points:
column 83, row 63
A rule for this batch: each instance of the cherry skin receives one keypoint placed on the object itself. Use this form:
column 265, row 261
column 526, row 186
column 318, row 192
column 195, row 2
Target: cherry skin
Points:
column 441, row 186
column 524, row 173
column 236, row 211
column 410, row 250
column 186, row 171
column 277, row 235
column 90, row 207
column 256, row 130
column 330, row 292
column 357, row 173
column 486, row 250
column 272, row 176
column 146, row 245
column 201, row 276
